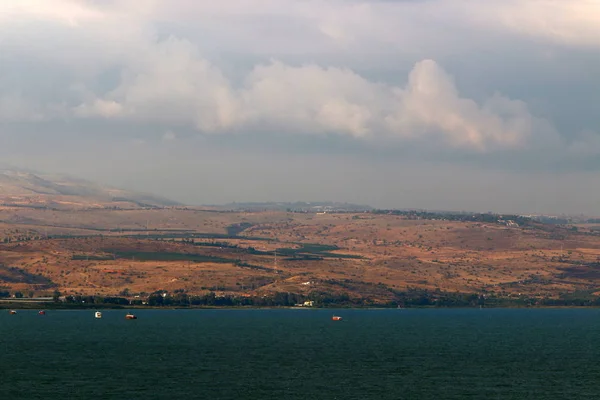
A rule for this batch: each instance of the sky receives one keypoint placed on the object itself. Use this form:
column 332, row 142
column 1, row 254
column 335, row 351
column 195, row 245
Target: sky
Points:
column 437, row 104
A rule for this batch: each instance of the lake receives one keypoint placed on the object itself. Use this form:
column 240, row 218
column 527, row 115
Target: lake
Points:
column 302, row 354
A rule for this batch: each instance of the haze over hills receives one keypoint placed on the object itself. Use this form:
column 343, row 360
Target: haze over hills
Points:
column 19, row 187
column 302, row 206
column 22, row 187
column 83, row 239
column 28, row 188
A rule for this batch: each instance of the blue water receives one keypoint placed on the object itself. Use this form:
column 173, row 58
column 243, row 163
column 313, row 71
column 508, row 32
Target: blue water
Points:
column 302, row 354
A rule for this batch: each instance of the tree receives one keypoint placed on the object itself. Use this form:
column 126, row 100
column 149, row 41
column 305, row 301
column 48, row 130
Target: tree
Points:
column 155, row 299
column 56, row 296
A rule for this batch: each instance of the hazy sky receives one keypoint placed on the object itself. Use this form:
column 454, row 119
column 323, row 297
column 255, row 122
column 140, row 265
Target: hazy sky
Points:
column 446, row 104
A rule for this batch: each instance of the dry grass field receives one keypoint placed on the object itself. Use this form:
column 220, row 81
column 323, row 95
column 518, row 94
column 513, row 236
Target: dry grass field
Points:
column 138, row 251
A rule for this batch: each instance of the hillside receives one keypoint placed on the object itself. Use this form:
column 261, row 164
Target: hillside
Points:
column 27, row 189
column 357, row 258
column 298, row 206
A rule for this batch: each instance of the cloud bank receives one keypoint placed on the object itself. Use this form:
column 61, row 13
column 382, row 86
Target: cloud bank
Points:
column 497, row 84
column 176, row 87
column 170, row 81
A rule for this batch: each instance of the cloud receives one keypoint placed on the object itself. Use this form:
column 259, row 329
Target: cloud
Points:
column 70, row 12
column 272, row 27
column 172, row 83
column 99, row 107
column 432, row 104
column 565, row 22
column 397, row 103
column 162, row 64
column 352, row 23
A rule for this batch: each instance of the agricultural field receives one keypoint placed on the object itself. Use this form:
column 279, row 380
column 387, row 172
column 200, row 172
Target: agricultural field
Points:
column 366, row 256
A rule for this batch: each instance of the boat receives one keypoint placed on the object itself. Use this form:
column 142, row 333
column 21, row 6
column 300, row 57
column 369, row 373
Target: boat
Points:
column 41, row 312
column 12, row 312
column 336, row 318
column 130, row 316
column 98, row 314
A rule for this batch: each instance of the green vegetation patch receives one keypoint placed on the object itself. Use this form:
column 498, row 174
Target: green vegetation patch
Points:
column 168, row 256
column 236, row 229
column 316, row 247
column 18, row 275
column 314, row 251
column 163, row 236
column 306, row 251
column 84, row 257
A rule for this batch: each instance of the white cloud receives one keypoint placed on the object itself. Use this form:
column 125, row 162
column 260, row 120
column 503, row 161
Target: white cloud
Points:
column 388, row 82
column 311, row 99
column 431, row 103
column 70, row 12
column 403, row 25
column 171, row 83
column 99, row 107
column 299, row 26
column 575, row 22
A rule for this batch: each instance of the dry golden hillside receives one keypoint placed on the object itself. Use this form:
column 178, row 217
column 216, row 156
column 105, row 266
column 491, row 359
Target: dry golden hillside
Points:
column 365, row 255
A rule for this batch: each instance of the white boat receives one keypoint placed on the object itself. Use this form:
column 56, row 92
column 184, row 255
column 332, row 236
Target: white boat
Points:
column 98, row 314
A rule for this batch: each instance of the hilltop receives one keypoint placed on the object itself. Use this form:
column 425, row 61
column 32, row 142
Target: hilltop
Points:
column 22, row 188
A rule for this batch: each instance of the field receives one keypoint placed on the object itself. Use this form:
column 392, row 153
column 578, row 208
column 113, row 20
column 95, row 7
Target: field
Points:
column 366, row 256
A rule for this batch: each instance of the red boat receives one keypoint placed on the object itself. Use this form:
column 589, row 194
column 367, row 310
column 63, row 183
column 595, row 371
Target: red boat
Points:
column 12, row 312
column 42, row 312
column 130, row 316
column 336, row 318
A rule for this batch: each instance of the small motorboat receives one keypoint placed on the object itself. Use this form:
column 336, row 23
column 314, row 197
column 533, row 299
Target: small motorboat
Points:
column 98, row 314
column 336, row 318
column 41, row 312
column 12, row 312
column 130, row 316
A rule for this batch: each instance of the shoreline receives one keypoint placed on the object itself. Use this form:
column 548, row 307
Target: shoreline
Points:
column 30, row 305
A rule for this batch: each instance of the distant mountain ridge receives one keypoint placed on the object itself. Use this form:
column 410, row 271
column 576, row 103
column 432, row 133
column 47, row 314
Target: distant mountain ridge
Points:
column 25, row 188
column 299, row 206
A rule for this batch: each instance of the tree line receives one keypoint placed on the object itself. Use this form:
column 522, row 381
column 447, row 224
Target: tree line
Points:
column 457, row 216
column 410, row 298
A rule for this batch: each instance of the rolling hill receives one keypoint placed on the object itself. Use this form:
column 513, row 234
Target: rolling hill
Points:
column 83, row 239
column 22, row 188
column 350, row 258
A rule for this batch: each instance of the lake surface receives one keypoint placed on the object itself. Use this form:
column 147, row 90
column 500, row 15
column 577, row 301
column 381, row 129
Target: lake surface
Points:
column 302, row 354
